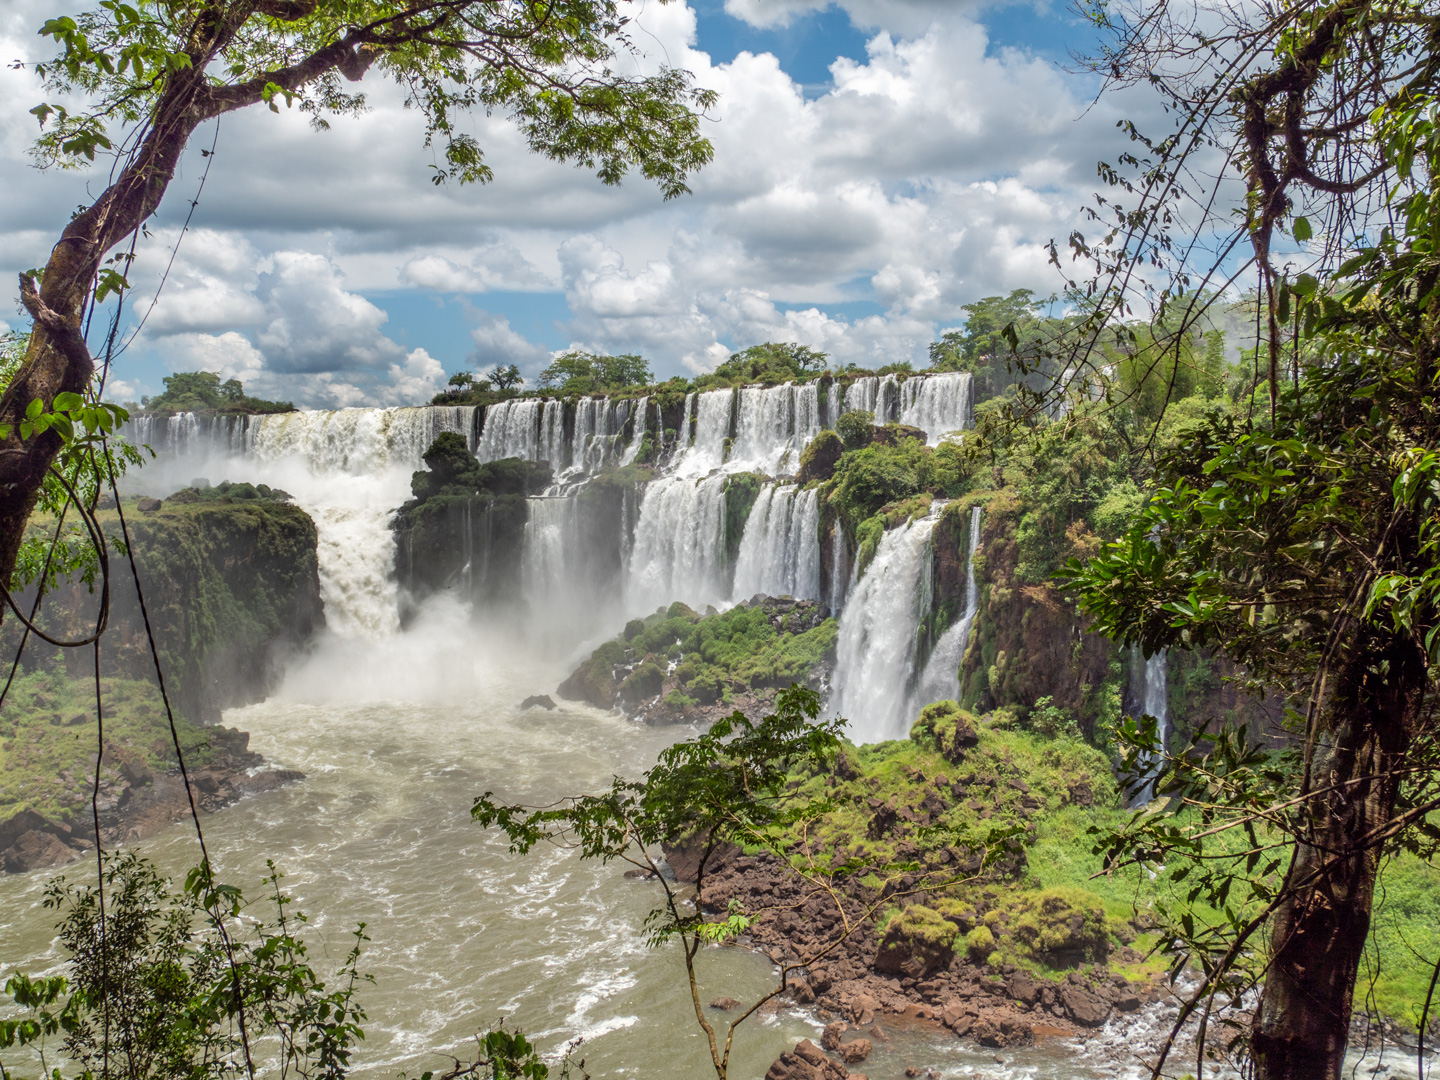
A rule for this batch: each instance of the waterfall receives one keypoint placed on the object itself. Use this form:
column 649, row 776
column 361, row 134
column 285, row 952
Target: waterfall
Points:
column 1154, row 701
column 839, row 568
column 552, row 537
column 878, row 394
column 937, row 404
column 941, row 678
column 712, row 411
column 780, row 549
column 637, row 435
column 512, row 429
column 552, row 436
column 679, row 546
column 773, row 425
column 876, row 650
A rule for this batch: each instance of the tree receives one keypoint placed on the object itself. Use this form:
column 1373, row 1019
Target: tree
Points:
column 200, row 391
column 983, row 346
column 461, row 380
column 1297, row 540
column 506, row 377
column 152, row 72
column 594, row 373
column 773, row 362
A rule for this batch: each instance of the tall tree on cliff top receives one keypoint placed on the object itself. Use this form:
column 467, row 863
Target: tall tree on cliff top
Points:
column 1298, row 534
column 152, row 71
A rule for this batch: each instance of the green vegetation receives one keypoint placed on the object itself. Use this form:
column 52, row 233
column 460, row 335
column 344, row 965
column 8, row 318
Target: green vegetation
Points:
column 202, row 391
column 226, row 491
column 231, row 581
column 576, row 373
column 465, row 515
column 47, row 741
column 770, row 363
column 718, row 655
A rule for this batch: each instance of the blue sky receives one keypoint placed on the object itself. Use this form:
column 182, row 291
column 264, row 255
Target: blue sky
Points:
column 879, row 164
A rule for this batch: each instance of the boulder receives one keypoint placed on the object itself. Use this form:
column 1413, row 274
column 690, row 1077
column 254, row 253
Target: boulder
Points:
column 830, row 1038
column 1084, row 1006
column 538, row 701
column 1023, row 988
column 808, row 1062
column 1001, row 1031
column 725, row 1004
column 148, row 506
column 820, row 457
column 917, row 943
column 855, row 1051
column 34, row 850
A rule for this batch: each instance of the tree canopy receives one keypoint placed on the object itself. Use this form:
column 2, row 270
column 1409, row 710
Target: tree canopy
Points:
column 202, row 391
column 594, row 373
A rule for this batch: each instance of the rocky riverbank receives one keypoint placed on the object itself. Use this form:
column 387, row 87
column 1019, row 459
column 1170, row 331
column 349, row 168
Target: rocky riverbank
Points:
column 135, row 801
column 948, row 857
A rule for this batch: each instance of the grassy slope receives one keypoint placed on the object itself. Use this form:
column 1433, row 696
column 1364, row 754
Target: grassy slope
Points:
column 1059, row 860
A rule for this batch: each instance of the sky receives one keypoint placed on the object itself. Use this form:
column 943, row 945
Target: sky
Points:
column 878, row 165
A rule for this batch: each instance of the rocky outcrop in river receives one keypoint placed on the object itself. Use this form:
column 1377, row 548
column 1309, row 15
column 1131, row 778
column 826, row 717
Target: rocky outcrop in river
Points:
column 679, row 666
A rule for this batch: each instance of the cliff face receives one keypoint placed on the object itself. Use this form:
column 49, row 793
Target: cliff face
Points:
column 232, row 587
column 233, row 591
column 1030, row 643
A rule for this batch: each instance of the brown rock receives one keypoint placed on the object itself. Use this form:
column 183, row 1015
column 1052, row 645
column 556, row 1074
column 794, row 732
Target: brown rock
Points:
column 862, row 1008
column 1003, row 1030
column 1023, row 988
column 1084, row 1006
column 856, row 1050
column 830, row 1038
column 35, row 849
column 725, row 1003
column 811, row 1053
column 148, row 506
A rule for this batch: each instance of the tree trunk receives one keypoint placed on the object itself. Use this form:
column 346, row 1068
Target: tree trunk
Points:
column 1318, row 937
column 58, row 359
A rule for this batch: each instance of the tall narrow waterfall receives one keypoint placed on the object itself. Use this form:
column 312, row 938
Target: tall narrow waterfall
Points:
column 941, row 677
column 839, row 568
column 679, row 551
column 875, row 655
column 1154, row 700
column 780, row 550
column 637, row 435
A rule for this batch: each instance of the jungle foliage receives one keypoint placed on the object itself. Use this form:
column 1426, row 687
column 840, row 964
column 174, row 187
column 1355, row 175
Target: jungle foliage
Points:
column 203, row 392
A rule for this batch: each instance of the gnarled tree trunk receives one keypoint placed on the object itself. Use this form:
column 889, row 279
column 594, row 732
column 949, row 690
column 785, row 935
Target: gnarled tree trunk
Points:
column 1318, row 936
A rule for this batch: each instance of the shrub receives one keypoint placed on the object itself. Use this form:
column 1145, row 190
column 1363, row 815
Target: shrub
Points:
column 855, row 428
column 980, row 942
column 947, row 728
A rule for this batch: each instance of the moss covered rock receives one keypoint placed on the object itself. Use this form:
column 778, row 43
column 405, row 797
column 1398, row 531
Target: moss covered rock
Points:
column 916, row 943
column 947, row 729
column 820, row 457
